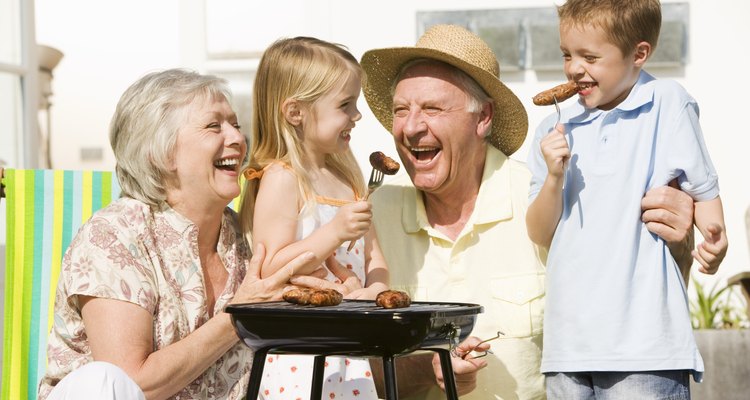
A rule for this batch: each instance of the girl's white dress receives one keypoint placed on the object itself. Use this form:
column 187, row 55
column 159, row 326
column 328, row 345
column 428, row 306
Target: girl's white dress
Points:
column 289, row 377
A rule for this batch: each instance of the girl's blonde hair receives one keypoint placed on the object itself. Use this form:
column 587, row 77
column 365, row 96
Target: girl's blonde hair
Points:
column 302, row 69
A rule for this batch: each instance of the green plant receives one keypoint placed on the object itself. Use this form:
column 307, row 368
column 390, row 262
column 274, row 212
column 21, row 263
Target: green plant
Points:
column 719, row 308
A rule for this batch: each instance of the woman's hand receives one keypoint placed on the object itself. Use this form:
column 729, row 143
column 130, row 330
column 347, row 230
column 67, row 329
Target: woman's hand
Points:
column 254, row 289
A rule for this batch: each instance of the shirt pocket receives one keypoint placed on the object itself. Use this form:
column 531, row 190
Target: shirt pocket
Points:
column 518, row 304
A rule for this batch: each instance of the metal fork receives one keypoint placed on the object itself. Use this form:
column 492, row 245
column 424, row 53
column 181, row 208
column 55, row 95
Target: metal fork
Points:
column 557, row 107
column 455, row 353
column 565, row 165
column 376, row 179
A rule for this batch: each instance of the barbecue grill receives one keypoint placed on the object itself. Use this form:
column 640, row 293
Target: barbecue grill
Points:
column 354, row 328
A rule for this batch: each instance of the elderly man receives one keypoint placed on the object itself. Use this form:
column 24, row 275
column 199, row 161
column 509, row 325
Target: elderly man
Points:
column 454, row 228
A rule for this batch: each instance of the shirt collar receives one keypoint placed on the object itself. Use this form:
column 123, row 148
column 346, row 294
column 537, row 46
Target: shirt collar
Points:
column 188, row 229
column 177, row 221
column 641, row 94
column 493, row 201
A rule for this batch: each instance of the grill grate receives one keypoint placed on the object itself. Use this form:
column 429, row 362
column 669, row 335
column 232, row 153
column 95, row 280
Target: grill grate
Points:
column 357, row 306
column 354, row 308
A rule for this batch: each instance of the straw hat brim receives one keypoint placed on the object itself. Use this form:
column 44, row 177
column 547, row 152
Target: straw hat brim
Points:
column 510, row 122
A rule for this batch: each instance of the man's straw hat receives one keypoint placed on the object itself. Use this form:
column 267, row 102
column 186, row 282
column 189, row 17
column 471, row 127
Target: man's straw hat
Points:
column 454, row 45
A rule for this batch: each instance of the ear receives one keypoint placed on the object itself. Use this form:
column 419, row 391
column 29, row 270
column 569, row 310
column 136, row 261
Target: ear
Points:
column 484, row 125
column 642, row 53
column 292, row 111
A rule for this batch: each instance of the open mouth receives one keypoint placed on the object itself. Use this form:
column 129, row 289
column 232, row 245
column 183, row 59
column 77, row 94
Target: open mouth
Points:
column 424, row 153
column 227, row 164
column 585, row 86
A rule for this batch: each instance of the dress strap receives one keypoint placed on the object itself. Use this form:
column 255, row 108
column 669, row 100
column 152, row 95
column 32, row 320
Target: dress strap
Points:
column 252, row 173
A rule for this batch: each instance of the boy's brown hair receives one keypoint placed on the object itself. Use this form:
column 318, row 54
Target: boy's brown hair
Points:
column 625, row 22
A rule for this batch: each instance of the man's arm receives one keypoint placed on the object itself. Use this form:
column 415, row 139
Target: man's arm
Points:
column 668, row 213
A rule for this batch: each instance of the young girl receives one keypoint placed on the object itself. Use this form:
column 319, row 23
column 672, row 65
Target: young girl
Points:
column 304, row 191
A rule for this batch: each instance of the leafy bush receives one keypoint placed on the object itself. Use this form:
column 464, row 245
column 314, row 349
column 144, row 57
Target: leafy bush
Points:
column 719, row 308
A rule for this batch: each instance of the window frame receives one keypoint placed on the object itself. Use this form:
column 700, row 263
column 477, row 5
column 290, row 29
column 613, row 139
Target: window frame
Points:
column 26, row 150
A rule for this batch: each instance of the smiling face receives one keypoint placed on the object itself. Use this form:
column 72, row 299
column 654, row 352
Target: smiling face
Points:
column 207, row 156
column 599, row 66
column 327, row 126
column 440, row 142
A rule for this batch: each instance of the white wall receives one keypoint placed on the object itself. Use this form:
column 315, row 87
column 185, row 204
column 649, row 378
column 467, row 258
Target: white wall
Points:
column 109, row 44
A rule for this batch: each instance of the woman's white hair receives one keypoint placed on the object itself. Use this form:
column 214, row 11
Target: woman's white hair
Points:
column 144, row 128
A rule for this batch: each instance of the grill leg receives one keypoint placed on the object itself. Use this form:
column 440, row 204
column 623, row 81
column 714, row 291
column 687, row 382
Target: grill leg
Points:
column 389, row 375
column 256, row 373
column 448, row 379
column 316, row 389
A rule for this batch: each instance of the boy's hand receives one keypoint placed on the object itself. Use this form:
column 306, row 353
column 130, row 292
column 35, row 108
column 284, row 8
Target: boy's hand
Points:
column 711, row 252
column 353, row 220
column 555, row 150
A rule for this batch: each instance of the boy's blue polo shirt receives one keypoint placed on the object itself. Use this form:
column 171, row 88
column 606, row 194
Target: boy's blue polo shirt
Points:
column 615, row 297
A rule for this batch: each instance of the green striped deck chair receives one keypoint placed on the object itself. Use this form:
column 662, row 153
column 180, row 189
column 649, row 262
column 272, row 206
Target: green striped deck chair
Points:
column 44, row 210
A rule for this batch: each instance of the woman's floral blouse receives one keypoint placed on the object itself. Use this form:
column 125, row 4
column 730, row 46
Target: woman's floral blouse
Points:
column 129, row 252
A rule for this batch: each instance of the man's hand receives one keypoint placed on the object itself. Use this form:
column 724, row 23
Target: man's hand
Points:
column 415, row 378
column 668, row 213
column 465, row 368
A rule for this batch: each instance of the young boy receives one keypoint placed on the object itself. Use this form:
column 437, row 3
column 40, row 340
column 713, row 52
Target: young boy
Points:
column 616, row 321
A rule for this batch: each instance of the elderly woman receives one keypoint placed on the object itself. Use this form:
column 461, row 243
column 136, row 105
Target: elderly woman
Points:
column 138, row 311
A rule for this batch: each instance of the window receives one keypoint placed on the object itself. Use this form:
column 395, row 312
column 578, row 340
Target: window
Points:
column 10, row 118
column 18, row 92
column 528, row 38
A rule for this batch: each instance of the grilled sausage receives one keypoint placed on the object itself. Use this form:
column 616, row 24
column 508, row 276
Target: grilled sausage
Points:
column 313, row 297
column 298, row 296
column 393, row 299
column 561, row 92
column 325, row 297
column 383, row 163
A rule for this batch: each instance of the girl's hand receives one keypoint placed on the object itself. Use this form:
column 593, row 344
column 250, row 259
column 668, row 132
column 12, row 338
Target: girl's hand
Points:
column 711, row 252
column 349, row 281
column 353, row 220
column 368, row 293
column 555, row 150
